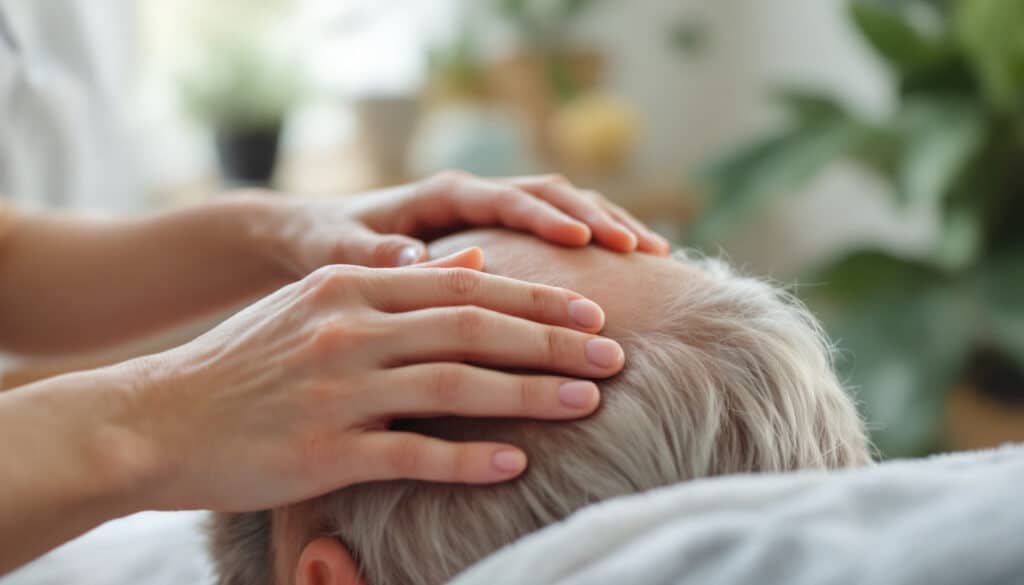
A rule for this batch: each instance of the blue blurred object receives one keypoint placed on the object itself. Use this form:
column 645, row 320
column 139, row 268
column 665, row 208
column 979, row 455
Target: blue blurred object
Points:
column 482, row 140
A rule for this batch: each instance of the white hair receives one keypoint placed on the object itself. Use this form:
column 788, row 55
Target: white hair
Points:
column 736, row 377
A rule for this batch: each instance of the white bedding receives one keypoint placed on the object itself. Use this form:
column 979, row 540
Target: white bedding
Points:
column 952, row 519
column 152, row 548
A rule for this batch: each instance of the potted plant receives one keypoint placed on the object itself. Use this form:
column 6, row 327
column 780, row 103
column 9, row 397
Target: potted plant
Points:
column 914, row 329
column 242, row 88
column 546, row 71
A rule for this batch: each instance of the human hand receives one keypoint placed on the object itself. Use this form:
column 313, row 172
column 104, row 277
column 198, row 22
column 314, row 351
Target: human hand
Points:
column 293, row 396
column 386, row 228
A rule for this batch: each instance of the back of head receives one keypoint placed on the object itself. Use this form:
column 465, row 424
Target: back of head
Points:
column 736, row 377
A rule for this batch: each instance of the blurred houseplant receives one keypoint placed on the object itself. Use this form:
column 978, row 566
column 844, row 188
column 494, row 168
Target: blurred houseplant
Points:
column 242, row 87
column 543, row 27
column 912, row 329
column 555, row 82
column 463, row 127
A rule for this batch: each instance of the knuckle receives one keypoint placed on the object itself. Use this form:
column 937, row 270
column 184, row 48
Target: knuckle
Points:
column 449, row 178
column 557, row 179
column 511, row 197
column 328, row 338
column 462, row 464
column 470, row 323
column 529, row 394
column 385, row 253
column 335, row 336
column 542, row 301
column 447, row 384
column 461, row 282
column 406, row 458
column 327, row 282
column 557, row 346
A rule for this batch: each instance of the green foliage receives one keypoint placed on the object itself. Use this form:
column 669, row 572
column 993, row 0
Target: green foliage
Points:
column 240, row 82
column 908, row 327
column 543, row 24
column 990, row 32
column 459, row 66
column 904, row 41
column 544, row 27
column 897, row 356
column 691, row 37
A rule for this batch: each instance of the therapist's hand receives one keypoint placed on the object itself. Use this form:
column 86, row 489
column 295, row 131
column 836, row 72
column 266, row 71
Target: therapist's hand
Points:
column 387, row 228
column 293, row 396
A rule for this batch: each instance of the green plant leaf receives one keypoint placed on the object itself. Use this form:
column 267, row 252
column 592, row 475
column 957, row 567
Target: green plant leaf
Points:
column 808, row 107
column 959, row 243
column 942, row 136
column 575, row 8
column 903, row 335
column 776, row 166
column 888, row 28
column 1001, row 288
column 241, row 81
column 692, row 37
column 990, row 32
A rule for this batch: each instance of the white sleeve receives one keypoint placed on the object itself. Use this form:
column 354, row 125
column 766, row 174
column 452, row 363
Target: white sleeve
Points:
column 61, row 143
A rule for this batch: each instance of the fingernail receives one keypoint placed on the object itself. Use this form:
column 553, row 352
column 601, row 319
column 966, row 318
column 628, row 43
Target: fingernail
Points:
column 586, row 314
column 409, row 256
column 603, row 353
column 509, row 461
column 577, row 394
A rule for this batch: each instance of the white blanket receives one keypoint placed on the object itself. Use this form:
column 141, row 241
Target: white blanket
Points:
column 953, row 519
column 152, row 548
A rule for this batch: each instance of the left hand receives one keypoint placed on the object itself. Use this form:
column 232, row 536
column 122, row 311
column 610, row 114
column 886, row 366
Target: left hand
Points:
column 384, row 228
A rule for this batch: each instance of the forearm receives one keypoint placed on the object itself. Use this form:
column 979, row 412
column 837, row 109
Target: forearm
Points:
column 68, row 462
column 71, row 283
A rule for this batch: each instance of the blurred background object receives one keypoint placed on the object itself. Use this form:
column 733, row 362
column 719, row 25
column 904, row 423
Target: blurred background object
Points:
column 867, row 149
column 242, row 89
column 946, row 324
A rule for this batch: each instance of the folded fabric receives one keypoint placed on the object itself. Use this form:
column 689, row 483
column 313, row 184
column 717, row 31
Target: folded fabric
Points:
column 950, row 519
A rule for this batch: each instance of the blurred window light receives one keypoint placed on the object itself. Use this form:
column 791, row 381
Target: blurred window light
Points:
column 368, row 47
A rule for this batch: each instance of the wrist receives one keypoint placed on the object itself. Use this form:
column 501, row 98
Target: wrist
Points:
column 261, row 231
column 92, row 459
column 121, row 445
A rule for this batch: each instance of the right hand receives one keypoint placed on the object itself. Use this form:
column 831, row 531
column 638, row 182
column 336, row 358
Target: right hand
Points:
column 292, row 397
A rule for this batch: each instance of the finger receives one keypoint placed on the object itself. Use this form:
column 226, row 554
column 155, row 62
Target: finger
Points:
column 368, row 248
column 396, row 455
column 585, row 207
column 413, row 289
column 647, row 240
column 480, row 202
column 431, row 390
column 480, row 336
column 471, row 258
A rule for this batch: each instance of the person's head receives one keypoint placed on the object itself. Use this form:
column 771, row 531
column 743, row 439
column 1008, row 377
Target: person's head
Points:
column 724, row 374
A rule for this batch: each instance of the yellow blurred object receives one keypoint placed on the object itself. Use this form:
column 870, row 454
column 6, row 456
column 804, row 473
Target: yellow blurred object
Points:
column 595, row 133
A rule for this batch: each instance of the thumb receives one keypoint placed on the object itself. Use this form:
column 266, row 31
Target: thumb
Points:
column 472, row 258
column 385, row 251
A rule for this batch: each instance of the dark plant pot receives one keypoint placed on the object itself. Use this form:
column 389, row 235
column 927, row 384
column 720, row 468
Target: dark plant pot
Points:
column 248, row 157
column 987, row 410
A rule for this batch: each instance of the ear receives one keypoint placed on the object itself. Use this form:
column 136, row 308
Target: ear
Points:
column 325, row 561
